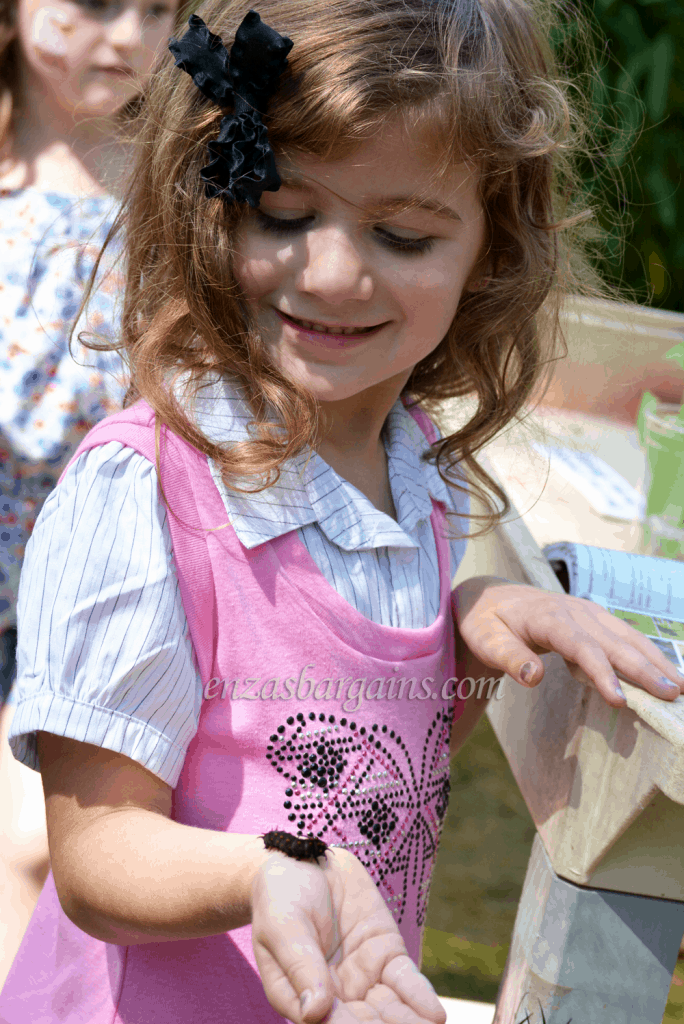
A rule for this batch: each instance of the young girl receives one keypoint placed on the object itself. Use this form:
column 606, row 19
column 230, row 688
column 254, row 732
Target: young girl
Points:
column 238, row 642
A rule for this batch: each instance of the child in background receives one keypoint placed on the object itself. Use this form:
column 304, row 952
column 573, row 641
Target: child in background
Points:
column 238, row 640
column 67, row 73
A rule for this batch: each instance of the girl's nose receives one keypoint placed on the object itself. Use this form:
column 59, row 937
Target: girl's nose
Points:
column 335, row 269
column 125, row 31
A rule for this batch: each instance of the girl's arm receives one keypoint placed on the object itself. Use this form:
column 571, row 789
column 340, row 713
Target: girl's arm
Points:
column 326, row 944
column 125, row 873
column 474, row 706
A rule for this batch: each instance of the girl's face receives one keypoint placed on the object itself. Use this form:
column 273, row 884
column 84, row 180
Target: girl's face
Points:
column 347, row 292
column 88, row 55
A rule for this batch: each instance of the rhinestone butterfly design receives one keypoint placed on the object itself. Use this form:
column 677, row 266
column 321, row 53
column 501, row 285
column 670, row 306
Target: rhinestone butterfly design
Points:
column 358, row 788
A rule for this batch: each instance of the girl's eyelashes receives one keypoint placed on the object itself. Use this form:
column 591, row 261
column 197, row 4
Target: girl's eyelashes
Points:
column 405, row 245
column 292, row 226
column 282, row 225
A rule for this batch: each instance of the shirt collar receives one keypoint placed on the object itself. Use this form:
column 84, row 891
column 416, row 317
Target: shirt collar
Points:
column 310, row 491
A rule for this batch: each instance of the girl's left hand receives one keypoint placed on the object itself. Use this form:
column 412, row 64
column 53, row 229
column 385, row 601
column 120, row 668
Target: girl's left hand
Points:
column 507, row 625
column 328, row 949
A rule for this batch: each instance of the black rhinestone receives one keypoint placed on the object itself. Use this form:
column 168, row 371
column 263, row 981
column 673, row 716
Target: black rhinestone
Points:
column 291, row 817
column 352, row 726
column 375, row 727
column 321, row 717
column 331, row 719
column 343, row 721
column 287, row 805
column 362, row 730
column 290, row 720
column 312, row 717
column 281, row 728
column 274, row 738
column 288, row 792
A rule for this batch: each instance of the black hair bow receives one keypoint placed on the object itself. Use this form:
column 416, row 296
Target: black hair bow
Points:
column 242, row 163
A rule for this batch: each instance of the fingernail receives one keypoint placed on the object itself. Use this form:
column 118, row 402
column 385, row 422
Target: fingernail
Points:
column 305, row 1000
column 528, row 672
column 618, row 689
column 670, row 685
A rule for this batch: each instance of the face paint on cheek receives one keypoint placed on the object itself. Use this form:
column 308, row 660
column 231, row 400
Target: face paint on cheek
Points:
column 49, row 32
column 56, row 33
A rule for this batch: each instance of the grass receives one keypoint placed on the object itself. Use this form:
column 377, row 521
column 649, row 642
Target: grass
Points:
column 480, row 869
column 477, row 883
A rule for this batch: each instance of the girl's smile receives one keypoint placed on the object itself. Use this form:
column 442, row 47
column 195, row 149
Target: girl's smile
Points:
column 352, row 283
column 330, row 335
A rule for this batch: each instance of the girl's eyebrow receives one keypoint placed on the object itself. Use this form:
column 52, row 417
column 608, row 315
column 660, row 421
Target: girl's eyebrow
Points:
column 384, row 203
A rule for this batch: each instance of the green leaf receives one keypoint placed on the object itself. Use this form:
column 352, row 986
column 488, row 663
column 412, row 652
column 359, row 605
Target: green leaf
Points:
column 662, row 55
column 649, row 403
column 676, row 354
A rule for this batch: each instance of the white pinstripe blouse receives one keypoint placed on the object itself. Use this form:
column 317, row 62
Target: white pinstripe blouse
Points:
column 104, row 652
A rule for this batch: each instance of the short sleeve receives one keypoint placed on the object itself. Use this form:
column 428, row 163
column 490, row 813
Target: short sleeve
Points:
column 104, row 653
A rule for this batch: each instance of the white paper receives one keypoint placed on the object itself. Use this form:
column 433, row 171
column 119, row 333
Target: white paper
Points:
column 604, row 488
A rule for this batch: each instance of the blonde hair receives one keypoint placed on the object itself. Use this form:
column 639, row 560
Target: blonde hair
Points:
column 481, row 75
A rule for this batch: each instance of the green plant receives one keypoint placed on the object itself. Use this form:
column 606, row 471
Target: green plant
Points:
column 639, row 97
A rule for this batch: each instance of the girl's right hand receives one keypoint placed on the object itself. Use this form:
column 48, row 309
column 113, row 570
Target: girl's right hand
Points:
column 328, row 949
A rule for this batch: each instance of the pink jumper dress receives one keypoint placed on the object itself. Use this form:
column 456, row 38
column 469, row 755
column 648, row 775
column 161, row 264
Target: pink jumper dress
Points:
column 284, row 741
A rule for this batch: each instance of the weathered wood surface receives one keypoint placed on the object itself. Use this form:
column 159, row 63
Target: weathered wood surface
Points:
column 587, row 955
column 588, row 772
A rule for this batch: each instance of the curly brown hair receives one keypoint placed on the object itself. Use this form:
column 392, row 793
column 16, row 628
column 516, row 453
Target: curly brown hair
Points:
column 9, row 62
column 481, row 75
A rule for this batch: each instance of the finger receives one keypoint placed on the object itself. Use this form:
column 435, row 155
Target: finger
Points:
column 638, row 668
column 413, row 988
column 294, row 972
column 589, row 663
column 662, row 666
column 581, row 676
column 630, row 654
column 495, row 645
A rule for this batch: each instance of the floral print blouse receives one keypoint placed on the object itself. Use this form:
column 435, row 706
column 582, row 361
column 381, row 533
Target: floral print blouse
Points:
column 49, row 397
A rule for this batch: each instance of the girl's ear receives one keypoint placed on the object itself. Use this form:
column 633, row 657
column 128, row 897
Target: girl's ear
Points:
column 478, row 284
column 481, row 274
column 479, row 278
